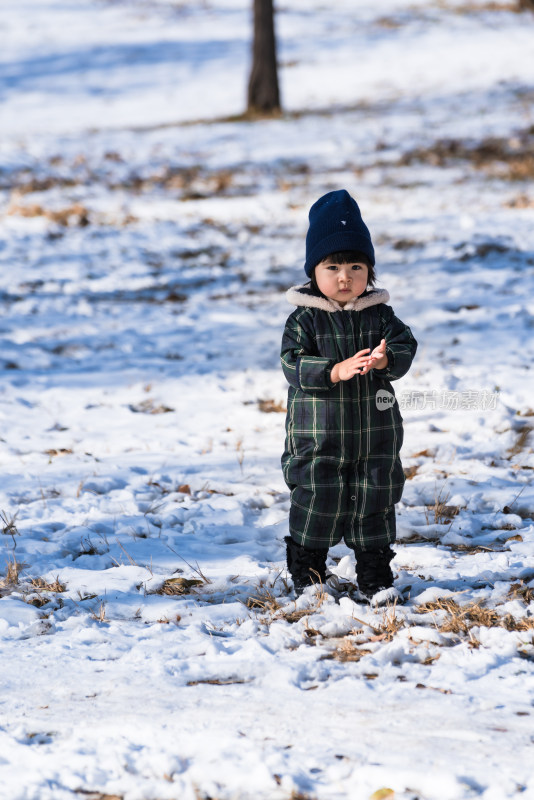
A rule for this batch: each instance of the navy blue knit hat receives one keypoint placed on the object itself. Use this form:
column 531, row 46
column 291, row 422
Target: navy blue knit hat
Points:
column 336, row 224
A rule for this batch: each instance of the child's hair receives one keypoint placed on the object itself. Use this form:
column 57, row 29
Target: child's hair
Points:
column 347, row 257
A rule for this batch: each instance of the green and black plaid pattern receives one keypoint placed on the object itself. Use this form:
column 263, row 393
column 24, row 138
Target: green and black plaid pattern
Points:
column 341, row 459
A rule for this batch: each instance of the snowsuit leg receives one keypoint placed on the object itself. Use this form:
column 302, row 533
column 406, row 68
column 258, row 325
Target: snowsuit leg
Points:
column 319, row 502
column 371, row 531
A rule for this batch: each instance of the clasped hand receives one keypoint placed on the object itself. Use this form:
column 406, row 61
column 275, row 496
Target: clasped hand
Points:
column 360, row 363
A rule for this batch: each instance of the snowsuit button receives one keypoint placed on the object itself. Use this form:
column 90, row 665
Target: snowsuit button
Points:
column 353, row 497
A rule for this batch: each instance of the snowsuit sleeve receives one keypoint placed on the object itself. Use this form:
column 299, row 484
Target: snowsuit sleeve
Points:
column 303, row 367
column 400, row 345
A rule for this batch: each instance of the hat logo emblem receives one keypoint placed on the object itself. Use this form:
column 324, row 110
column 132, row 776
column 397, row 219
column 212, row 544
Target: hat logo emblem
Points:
column 343, row 221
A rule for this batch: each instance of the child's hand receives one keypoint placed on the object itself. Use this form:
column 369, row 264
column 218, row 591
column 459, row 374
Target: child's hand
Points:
column 360, row 363
column 345, row 370
column 377, row 359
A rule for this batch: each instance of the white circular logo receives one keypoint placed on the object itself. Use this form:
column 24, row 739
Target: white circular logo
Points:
column 384, row 399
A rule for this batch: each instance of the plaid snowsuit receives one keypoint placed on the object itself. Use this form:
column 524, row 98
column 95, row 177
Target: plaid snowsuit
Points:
column 341, row 458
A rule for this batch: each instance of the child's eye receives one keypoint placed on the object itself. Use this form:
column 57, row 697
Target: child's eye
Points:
column 333, row 267
column 356, row 266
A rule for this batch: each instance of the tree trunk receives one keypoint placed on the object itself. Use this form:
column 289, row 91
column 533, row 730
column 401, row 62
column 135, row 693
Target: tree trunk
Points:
column 263, row 91
column 526, row 5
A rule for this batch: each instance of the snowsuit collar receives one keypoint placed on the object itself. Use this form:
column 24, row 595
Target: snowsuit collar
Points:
column 305, row 296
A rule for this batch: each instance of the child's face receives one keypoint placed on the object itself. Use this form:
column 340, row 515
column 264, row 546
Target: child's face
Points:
column 341, row 282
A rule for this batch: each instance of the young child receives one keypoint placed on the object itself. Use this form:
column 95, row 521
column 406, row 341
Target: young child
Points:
column 340, row 349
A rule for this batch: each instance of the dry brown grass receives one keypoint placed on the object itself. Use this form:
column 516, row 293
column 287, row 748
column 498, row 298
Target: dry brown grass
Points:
column 509, row 158
column 521, row 200
column 74, row 215
column 178, row 586
column 522, row 592
column 37, row 600
column 389, row 626
column 11, row 578
column 100, row 613
column 39, row 588
column 42, row 585
column 33, row 184
column 461, row 619
column 271, row 407
column 8, row 526
column 150, row 407
column 189, row 183
column 441, row 512
column 472, row 616
column 296, row 615
column 89, row 794
column 347, row 651
column 264, row 600
column 476, row 548
column 217, row 681
column 513, row 624
column 512, row 6
column 521, row 442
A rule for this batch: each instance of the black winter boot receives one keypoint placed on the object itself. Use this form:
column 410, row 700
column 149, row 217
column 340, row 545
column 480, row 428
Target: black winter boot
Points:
column 306, row 566
column 373, row 570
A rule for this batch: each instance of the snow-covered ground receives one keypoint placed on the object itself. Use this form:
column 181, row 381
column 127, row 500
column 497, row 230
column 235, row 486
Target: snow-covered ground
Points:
column 151, row 646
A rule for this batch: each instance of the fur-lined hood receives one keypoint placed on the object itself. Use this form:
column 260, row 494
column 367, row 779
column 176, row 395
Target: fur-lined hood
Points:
column 306, row 296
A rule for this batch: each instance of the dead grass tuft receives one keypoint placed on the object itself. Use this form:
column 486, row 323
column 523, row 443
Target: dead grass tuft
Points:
column 462, row 619
column 472, row 616
column 426, row 453
column 347, row 651
column 11, row 578
column 509, row 158
column 178, row 586
column 42, row 585
column 296, row 615
column 217, row 681
column 511, row 623
column 521, row 591
column 149, row 407
column 264, row 600
column 271, row 407
column 74, row 215
column 477, row 8
column 442, row 512
column 299, row 613
column 89, row 794
column 521, row 442
column 476, row 548
column 522, row 200
column 62, row 451
column 37, row 600
column 9, row 528
column 390, row 625
column 100, row 613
